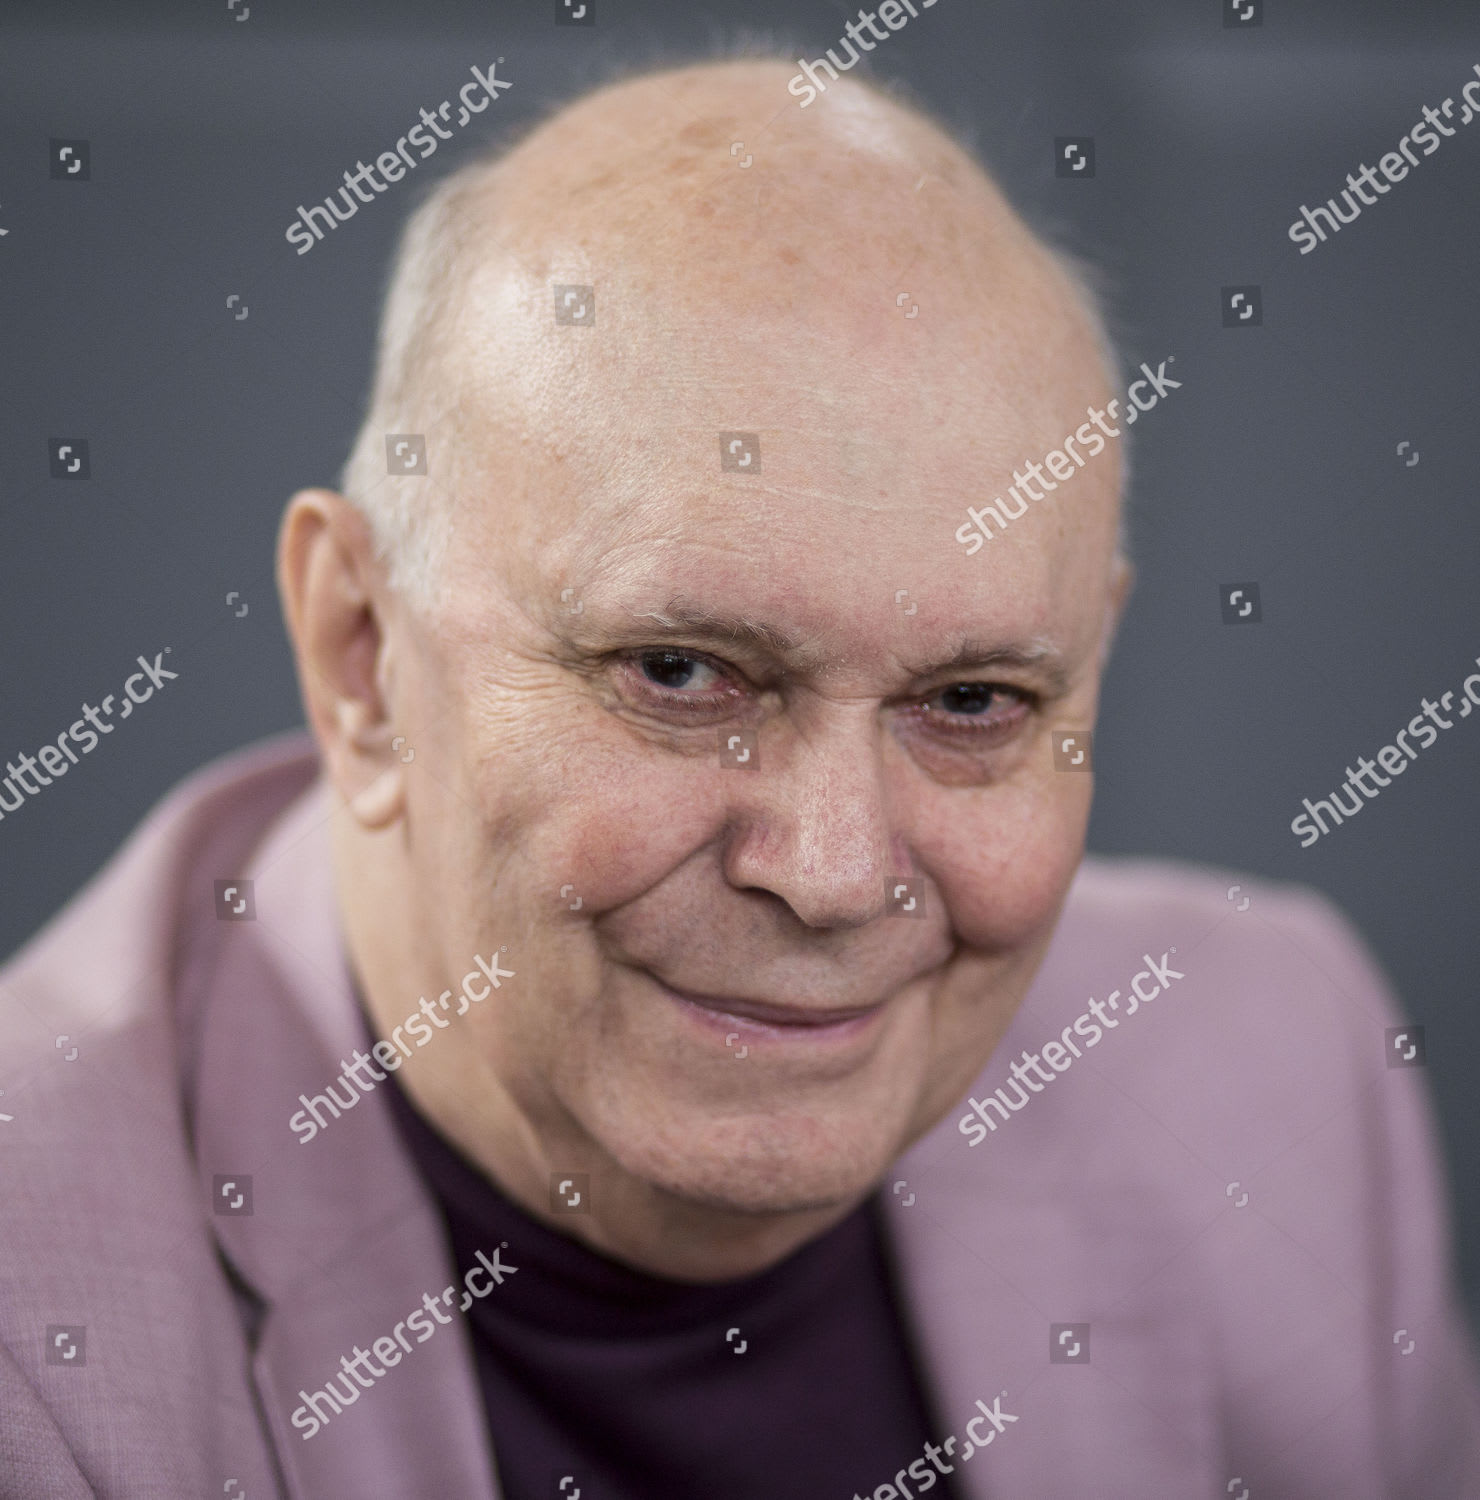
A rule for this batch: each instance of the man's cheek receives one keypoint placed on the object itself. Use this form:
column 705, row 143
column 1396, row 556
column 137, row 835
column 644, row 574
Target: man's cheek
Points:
column 611, row 825
column 1004, row 870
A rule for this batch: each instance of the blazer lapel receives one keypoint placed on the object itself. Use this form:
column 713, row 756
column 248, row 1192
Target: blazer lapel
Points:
column 336, row 1237
column 1055, row 1220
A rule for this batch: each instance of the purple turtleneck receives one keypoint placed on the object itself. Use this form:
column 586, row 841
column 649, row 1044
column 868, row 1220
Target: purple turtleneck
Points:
column 795, row 1384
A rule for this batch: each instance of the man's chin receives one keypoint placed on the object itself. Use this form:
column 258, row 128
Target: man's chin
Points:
column 776, row 1167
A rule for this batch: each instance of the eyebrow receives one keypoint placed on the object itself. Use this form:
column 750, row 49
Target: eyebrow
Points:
column 681, row 617
column 1038, row 656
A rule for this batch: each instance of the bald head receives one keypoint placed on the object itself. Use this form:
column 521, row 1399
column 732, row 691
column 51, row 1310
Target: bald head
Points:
column 718, row 224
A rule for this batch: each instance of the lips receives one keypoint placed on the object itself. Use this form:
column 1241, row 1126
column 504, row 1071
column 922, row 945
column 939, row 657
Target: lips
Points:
column 763, row 1013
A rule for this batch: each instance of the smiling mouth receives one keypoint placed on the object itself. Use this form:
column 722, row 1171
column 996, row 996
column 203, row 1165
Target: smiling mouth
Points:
column 790, row 1020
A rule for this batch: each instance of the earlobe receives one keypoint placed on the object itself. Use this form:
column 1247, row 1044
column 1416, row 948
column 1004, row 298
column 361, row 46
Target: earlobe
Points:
column 382, row 802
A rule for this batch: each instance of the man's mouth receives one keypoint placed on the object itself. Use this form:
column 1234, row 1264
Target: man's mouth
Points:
column 783, row 1020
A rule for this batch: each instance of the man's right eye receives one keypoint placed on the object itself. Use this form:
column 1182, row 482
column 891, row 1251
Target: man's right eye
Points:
column 662, row 680
column 676, row 670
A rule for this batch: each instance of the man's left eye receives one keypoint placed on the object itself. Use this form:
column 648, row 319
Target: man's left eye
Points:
column 976, row 699
column 969, row 697
column 976, row 709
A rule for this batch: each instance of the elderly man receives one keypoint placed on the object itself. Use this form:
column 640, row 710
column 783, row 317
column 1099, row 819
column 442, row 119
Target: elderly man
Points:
column 610, row 1065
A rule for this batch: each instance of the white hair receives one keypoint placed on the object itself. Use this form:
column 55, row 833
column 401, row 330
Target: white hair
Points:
column 409, row 514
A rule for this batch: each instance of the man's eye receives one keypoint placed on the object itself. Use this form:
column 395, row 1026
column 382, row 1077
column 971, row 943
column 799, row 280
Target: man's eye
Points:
column 977, row 708
column 977, row 699
column 678, row 670
column 970, row 697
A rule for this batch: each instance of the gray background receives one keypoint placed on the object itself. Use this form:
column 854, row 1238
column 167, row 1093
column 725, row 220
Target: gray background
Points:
column 1275, row 462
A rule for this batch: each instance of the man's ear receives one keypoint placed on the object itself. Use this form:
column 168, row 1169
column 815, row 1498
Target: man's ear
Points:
column 1122, row 580
column 334, row 602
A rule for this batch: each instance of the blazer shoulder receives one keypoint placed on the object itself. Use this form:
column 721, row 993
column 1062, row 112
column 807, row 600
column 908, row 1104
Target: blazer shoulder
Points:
column 221, row 809
column 1251, row 915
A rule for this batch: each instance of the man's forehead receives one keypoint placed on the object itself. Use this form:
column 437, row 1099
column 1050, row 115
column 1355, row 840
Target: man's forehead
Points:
column 824, row 357
column 796, row 416
column 832, row 495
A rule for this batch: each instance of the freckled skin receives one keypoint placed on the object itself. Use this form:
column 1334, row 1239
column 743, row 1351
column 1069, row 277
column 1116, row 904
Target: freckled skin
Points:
column 758, row 300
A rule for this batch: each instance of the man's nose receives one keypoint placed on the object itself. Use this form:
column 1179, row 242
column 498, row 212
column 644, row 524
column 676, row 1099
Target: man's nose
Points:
column 814, row 826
